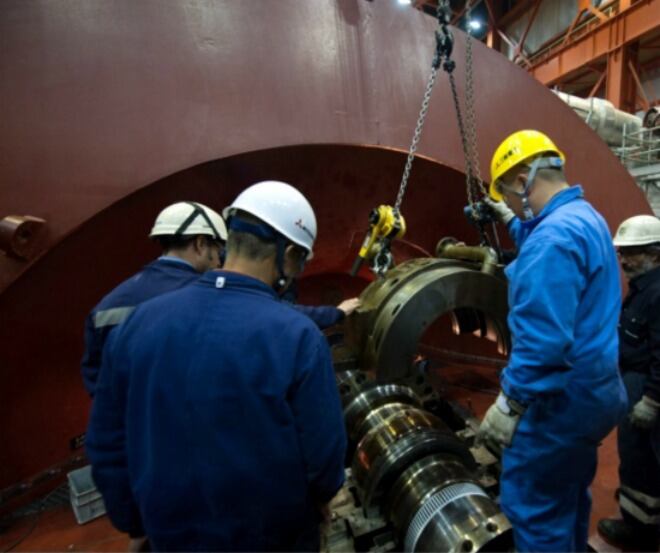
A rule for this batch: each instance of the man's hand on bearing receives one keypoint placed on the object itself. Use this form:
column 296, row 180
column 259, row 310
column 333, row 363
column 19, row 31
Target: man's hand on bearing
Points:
column 348, row 306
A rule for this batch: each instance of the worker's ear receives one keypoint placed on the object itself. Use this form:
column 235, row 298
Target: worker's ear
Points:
column 295, row 258
column 199, row 243
column 520, row 181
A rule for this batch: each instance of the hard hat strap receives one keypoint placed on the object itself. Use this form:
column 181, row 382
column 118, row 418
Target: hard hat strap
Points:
column 262, row 231
column 197, row 210
column 553, row 162
column 280, row 283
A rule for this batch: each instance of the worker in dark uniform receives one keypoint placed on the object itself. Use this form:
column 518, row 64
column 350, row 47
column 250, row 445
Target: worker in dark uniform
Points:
column 191, row 236
column 561, row 392
column 217, row 423
column 638, row 243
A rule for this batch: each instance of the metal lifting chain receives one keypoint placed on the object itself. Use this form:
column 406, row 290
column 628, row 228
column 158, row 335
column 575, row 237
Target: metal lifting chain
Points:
column 468, row 130
column 443, row 48
column 468, row 127
column 415, row 140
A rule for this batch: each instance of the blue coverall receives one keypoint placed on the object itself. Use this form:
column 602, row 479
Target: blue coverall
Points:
column 165, row 274
column 564, row 300
column 217, row 424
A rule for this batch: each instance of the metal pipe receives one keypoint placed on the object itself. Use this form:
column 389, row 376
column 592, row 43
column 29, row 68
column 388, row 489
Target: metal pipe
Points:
column 449, row 248
column 609, row 123
column 21, row 236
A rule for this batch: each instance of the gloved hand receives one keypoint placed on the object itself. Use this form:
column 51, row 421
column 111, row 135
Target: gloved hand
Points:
column 645, row 413
column 137, row 545
column 500, row 423
column 502, row 211
column 348, row 306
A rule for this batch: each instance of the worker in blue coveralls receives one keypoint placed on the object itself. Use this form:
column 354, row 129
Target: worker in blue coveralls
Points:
column 192, row 237
column 561, row 392
column 638, row 243
column 217, row 423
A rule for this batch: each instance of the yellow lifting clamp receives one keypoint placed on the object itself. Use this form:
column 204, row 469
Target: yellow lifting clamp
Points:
column 385, row 224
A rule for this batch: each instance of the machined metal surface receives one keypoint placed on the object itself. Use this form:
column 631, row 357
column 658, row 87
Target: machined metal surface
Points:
column 401, row 439
column 459, row 518
column 365, row 407
column 397, row 310
column 378, row 417
column 351, row 384
column 420, row 481
column 437, row 505
column 414, row 474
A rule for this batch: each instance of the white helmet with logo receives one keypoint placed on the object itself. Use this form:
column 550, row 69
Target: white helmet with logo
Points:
column 281, row 207
column 640, row 230
column 189, row 219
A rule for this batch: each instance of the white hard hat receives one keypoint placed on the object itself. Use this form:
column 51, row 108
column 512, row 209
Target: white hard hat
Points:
column 189, row 219
column 281, row 207
column 640, row 230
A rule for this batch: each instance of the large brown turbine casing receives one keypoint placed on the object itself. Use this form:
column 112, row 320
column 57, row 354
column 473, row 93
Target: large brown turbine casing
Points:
column 111, row 110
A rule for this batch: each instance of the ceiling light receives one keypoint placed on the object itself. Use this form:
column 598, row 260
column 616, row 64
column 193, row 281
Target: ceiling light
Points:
column 405, row 2
column 474, row 24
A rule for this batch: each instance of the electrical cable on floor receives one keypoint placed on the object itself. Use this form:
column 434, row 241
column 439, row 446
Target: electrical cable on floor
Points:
column 35, row 521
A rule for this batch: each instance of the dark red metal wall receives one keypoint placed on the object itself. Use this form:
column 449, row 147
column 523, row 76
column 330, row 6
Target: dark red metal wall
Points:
column 111, row 110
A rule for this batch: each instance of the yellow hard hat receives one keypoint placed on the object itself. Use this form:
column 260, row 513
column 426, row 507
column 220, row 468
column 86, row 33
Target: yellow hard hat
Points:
column 517, row 148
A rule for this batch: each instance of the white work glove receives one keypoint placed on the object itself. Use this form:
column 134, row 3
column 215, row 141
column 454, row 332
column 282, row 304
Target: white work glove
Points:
column 348, row 306
column 500, row 423
column 135, row 545
column 645, row 413
column 502, row 211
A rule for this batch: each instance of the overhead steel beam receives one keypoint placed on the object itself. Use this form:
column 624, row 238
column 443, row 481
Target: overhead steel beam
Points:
column 532, row 17
column 641, row 93
column 598, row 84
column 619, row 88
column 493, row 39
column 515, row 13
column 623, row 28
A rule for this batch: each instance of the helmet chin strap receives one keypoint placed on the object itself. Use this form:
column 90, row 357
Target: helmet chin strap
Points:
column 539, row 163
column 281, row 281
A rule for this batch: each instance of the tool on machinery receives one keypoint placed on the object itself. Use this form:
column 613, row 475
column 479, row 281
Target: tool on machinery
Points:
column 385, row 224
column 378, row 241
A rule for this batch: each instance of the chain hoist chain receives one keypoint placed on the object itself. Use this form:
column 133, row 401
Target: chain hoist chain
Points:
column 416, row 136
column 471, row 120
column 443, row 48
column 467, row 127
column 464, row 140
